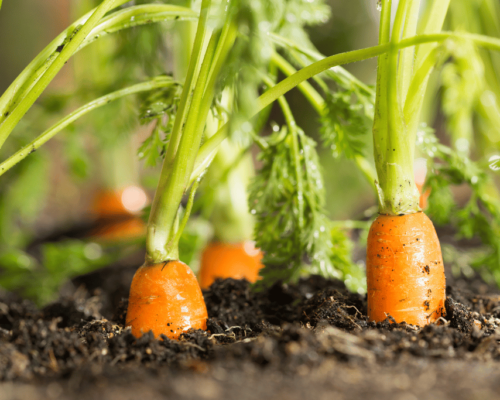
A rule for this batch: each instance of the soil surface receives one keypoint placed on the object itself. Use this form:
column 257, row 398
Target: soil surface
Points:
column 311, row 340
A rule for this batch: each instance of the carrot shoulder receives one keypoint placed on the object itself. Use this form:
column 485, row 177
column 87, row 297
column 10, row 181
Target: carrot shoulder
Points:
column 165, row 298
column 405, row 272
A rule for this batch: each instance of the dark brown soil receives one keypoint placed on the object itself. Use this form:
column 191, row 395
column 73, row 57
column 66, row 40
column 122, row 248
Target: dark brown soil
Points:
column 306, row 341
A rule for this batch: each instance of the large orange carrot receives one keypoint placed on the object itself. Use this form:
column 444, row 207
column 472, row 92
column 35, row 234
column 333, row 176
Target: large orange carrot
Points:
column 165, row 298
column 225, row 260
column 404, row 269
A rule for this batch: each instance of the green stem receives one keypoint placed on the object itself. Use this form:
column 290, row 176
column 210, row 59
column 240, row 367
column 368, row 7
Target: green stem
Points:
column 227, row 180
column 159, row 243
column 133, row 16
column 130, row 17
column 407, row 56
column 196, row 123
column 416, row 91
column 185, row 219
column 432, row 22
column 394, row 152
column 315, row 99
column 185, row 33
column 136, row 16
column 66, row 52
column 316, row 56
column 173, row 179
column 291, row 82
column 189, row 84
column 60, row 125
column 380, row 121
column 9, row 95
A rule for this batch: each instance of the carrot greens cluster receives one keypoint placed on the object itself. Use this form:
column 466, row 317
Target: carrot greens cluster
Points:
column 232, row 60
column 479, row 216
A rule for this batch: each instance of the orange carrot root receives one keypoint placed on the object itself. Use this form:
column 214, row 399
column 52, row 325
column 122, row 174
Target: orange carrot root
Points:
column 116, row 214
column 420, row 175
column 424, row 195
column 165, row 298
column 405, row 272
column 108, row 203
column 119, row 230
column 224, row 260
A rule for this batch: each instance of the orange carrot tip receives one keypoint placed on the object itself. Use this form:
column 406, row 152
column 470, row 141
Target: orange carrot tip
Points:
column 165, row 298
column 225, row 260
column 405, row 272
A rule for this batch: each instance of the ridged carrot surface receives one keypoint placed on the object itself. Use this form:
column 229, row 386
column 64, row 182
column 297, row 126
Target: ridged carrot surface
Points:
column 166, row 299
column 225, row 260
column 405, row 272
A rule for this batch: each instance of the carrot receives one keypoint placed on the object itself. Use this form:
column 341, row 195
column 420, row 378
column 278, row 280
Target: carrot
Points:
column 116, row 214
column 420, row 174
column 404, row 268
column 118, row 230
column 405, row 272
column 224, row 260
column 424, row 195
column 128, row 201
column 108, row 203
column 165, row 298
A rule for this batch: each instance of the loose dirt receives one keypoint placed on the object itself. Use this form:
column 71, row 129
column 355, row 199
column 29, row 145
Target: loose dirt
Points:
column 311, row 340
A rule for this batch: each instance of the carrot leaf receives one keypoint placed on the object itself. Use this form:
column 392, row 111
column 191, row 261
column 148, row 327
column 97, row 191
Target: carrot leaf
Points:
column 275, row 202
column 480, row 216
column 346, row 124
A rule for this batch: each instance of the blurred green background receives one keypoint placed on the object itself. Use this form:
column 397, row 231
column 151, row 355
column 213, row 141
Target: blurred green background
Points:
column 26, row 26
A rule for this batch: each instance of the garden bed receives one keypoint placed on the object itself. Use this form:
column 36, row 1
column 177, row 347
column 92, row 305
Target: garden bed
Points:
column 310, row 340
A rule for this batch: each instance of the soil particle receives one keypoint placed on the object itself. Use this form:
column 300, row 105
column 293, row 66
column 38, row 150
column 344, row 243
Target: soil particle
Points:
column 315, row 330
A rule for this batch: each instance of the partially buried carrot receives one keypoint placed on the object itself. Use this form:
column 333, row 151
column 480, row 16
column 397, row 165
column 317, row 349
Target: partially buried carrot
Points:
column 165, row 298
column 225, row 260
column 405, row 271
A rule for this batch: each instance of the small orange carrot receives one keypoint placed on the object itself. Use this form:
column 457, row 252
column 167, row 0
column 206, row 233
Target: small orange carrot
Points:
column 424, row 195
column 108, row 203
column 116, row 214
column 420, row 169
column 165, row 298
column 118, row 230
column 405, row 272
column 128, row 201
column 224, row 260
